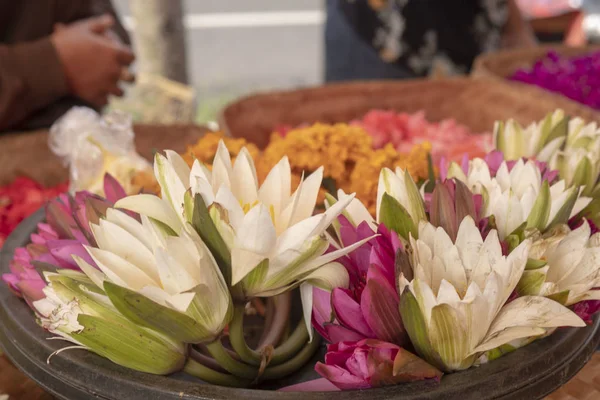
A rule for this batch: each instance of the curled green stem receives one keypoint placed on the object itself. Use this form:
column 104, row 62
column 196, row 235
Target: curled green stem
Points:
column 272, row 335
column 281, row 354
column 237, row 368
column 294, row 364
column 194, row 368
column 291, row 346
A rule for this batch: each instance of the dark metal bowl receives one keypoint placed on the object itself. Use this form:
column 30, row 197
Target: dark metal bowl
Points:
column 530, row 372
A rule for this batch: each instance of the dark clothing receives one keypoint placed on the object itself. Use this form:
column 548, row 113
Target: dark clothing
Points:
column 33, row 90
column 412, row 36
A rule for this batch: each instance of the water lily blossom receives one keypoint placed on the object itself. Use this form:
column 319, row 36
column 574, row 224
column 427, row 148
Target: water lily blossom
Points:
column 368, row 308
column 570, row 268
column 372, row 363
column 455, row 308
column 169, row 283
column 75, row 310
column 265, row 238
column 520, row 195
column 539, row 140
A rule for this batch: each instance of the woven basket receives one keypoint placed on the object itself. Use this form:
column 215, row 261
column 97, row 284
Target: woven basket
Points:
column 502, row 64
column 27, row 153
column 476, row 103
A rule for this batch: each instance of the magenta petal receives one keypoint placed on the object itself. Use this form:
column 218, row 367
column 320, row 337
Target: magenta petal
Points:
column 358, row 364
column 63, row 251
column 338, row 333
column 340, row 377
column 379, row 305
column 113, row 191
column 322, row 312
column 316, row 385
column 32, row 289
column 11, row 280
column 348, row 312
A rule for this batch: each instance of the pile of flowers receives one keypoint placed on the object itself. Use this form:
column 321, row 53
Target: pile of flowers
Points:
column 21, row 198
column 445, row 275
column 447, row 138
column 577, row 78
column 344, row 151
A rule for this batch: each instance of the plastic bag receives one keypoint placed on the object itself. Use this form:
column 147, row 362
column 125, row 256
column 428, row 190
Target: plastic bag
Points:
column 92, row 145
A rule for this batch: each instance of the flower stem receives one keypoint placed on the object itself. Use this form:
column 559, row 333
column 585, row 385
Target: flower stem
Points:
column 194, row 368
column 283, row 305
column 238, row 342
column 206, row 360
column 233, row 366
column 290, row 366
column 291, row 346
column 281, row 354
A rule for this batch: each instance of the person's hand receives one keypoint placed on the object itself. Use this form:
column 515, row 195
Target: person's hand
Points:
column 93, row 59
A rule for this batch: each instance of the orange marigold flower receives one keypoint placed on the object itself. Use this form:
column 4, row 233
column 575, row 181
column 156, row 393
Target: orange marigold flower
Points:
column 206, row 147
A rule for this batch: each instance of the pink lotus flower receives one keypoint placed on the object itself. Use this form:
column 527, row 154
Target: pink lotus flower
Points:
column 64, row 234
column 586, row 309
column 372, row 363
column 369, row 308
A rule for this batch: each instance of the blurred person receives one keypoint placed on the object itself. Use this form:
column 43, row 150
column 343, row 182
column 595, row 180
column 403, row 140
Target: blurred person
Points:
column 397, row 39
column 56, row 54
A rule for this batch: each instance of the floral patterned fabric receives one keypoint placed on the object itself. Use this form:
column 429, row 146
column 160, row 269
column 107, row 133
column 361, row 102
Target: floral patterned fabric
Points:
column 424, row 35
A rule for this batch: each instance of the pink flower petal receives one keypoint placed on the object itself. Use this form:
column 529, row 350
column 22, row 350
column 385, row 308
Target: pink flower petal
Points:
column 348, row 312
column 338, row 333
column 340, row 377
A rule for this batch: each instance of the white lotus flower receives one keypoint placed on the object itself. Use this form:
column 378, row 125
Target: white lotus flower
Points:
column 356, row 212
column 176, row 273
column 539, row 140
column 455, row 307
column 579, row 166
column 520, row 195
column 571, row 270
column 401, row 187
column 268, row 240
column 79, row 313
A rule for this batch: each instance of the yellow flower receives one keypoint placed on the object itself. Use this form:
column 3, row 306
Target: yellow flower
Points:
column 206, row 147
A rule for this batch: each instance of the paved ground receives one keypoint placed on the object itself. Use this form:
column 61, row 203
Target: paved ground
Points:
column 227, row 59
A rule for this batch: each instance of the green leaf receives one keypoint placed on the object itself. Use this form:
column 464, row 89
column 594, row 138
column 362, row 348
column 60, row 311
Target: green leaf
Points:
column 560, row 297
column 416, row 327
column 531, row 282
column 396, row 218
column 204, row 225
column 430, row 175
column 449, row 338
column 414, row 197
column 512, row 242
column 563, row 214
column 500, row 351
column 540, row 212
column 257, row 276
column 129, row 346
column 500, row 135
column 188, row 206
column 583, row 174
column 142, row 311
column 534, row 264
column 561, row 129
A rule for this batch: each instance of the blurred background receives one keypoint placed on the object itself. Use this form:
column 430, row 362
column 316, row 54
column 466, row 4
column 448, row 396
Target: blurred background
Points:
column 233, row 47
